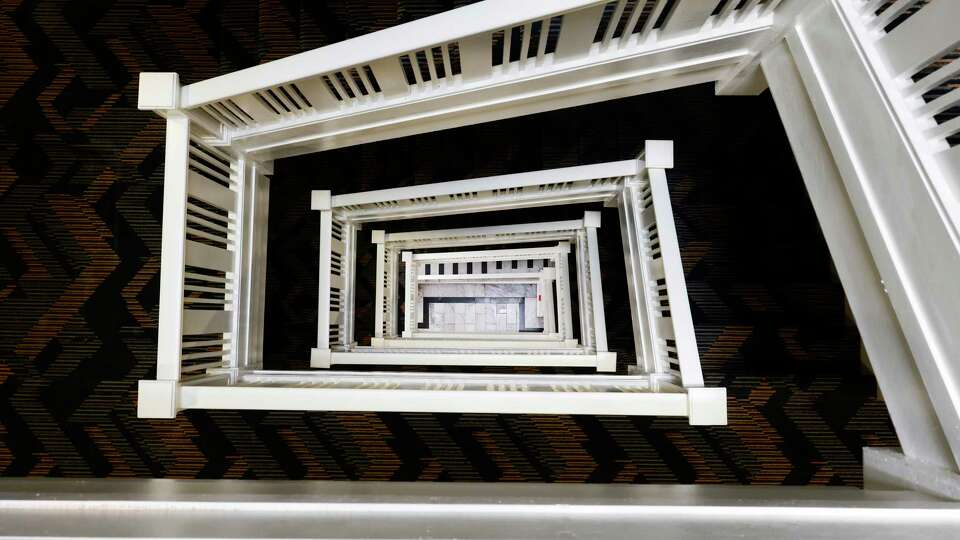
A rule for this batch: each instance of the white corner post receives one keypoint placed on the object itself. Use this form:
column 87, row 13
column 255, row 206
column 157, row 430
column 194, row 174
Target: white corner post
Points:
column 584, row 291
column 348, row 283
column 409, row 295
column 606, row 359
column 170, row 332
column 561, row 307
column 633, row 240
column 320, row 355
column 565, row 313
column 158, row 398
column 378, row 237
column 546, row 301
column 392, row 321
column 254, row 183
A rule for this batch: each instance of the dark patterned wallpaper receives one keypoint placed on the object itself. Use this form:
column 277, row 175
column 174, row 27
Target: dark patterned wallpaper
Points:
column 80, row 194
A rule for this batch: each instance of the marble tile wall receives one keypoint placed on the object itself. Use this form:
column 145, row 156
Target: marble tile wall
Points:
column 482, row 313
column 474, row 317
column 477, row 290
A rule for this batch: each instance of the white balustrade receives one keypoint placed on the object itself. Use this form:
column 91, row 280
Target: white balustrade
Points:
column 390, row 245
column 229, row 371
column 880, row 77
column 495, row 58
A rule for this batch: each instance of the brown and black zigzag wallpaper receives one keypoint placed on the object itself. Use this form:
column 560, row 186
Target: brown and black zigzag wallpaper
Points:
column 80, row 205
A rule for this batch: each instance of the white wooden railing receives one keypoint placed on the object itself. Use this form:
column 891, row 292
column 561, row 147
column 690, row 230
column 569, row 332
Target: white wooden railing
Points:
column 390, row 245
column 211, row 290
column 488, row 266
column 663, row 327
column 590, row 183
column 338, row 255
column 479, row 63
column 869, row 91
column 914, row 49
column 517, row 56
column 866, row 90
column 199, row 285
column 209, row 276
column 212, row 294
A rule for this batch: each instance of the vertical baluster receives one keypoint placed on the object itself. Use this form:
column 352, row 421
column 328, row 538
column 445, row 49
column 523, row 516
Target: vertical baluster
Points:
column 341, row 89
column 525, row 43
column 234, row 112
column 652, row 19
column 431, row 67
column 747, row 9
column 352, row 84
column 631, row 22
column 891, row 13
column 870, row 6
column 366, row 81
column 613, row 23
column 447, row 66
column 416, row 69
column 927, row 35
column 507, row 36
column 727, row 9
column 215, row 112
column 283, row 99
column 254, row 107
column 299, row 101
column 273, row 101
column 409, row 295
column 544, row 34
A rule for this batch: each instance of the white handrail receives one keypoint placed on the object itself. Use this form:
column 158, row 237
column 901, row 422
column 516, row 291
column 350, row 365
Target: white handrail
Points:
column 578, row 173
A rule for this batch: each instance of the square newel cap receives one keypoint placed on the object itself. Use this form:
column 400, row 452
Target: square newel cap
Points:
column 707, row 406
column 158, row 91
column 320, row 200
column 157, row 399
column 591, row 219
column 658, row 154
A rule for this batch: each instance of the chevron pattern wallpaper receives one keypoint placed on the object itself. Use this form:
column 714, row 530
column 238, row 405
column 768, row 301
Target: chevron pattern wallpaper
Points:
column 80, row 205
